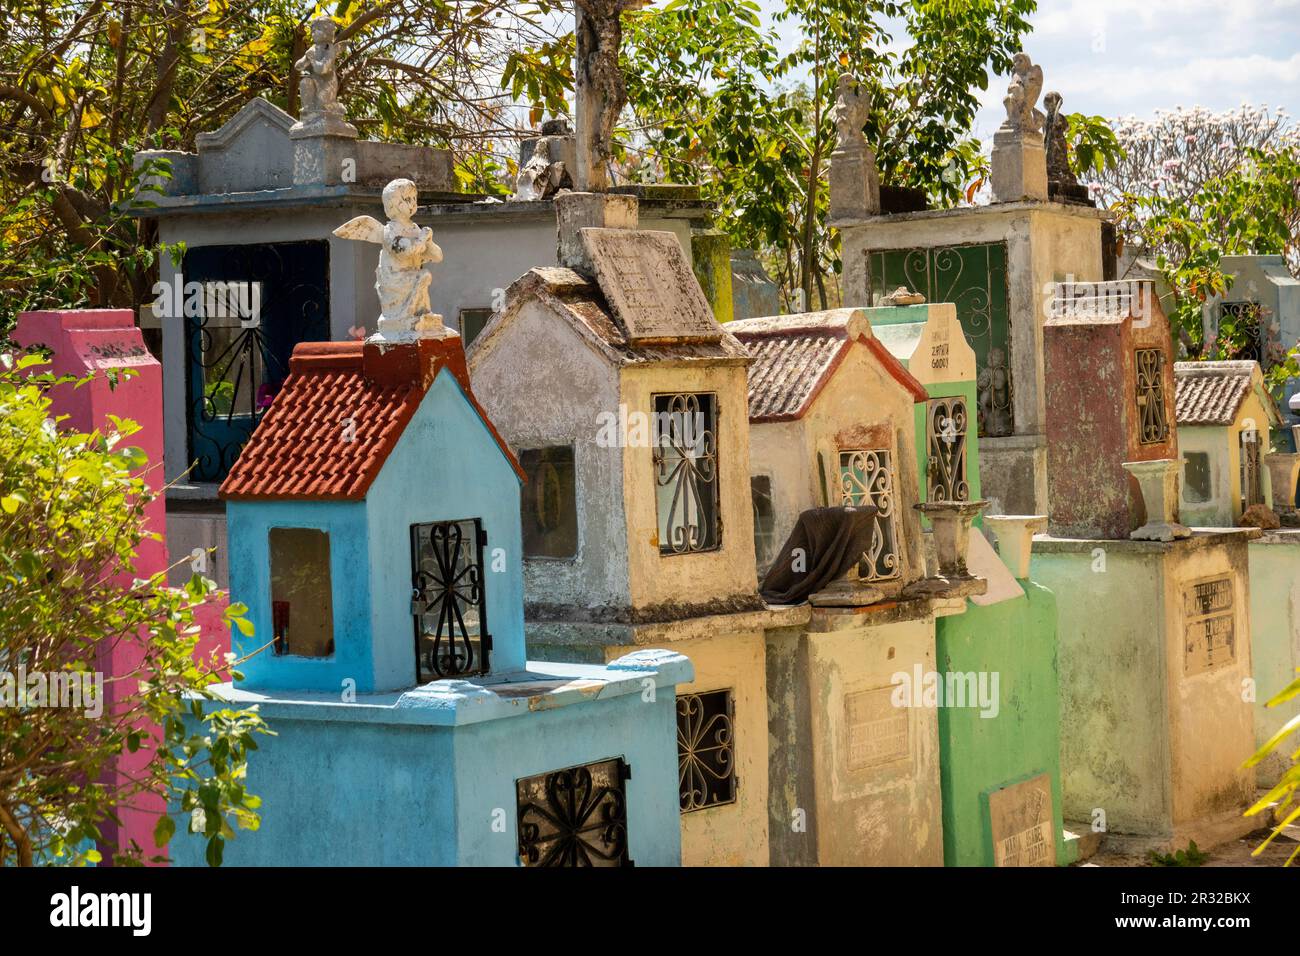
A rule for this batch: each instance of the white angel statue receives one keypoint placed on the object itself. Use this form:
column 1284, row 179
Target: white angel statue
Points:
column 401, row 279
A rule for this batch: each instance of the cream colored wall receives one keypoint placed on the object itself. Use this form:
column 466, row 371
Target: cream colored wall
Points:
column 1211, row 726
column 780, row 450
column 1251, row 415
column 701, row 577
column 888, row 814
column 862, row 393
column 733, row 834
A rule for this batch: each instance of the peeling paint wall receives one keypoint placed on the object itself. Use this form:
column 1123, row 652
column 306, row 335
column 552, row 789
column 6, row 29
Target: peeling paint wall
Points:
column 1274, row 639
column 1157, row 750
column 546, row 387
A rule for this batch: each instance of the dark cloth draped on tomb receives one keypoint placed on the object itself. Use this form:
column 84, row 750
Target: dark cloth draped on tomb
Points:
column 831, row 540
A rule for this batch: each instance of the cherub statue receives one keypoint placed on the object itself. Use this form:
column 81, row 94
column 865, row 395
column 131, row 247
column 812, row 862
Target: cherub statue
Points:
column 850, row 111
column 1022, row 94
column 401, row 279
column 319, row 86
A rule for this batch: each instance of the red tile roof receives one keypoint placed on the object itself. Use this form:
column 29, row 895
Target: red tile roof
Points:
column 338, row 417
column 1211, row 393
column 795, row 356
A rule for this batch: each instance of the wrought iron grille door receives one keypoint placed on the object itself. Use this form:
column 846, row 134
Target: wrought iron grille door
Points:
column 975, row 279
column 1153, row 422
column 946, row 463
column 1252, row 486
column 867, row 479
column 235, row 365
column 574, row 817
column 448, row 600
column 1241, row 322
column 686, row 472
column 706, row 761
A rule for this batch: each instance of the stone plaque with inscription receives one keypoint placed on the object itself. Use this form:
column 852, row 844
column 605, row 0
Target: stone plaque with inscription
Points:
column 1020, row 818
column 877, row 731
column 650, row 287
column 1209, row 637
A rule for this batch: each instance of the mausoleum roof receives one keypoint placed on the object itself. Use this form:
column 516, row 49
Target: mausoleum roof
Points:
column 339, row 415
column 582, row 302
column 1211, row 393
column 795, row 356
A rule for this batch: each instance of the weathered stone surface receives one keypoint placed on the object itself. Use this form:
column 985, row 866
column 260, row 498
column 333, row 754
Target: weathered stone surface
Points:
column 322, row 114
column 1158, row 481
column 1019, row 165
column 650, row 286
column 575, row 211
column 1020, row 818
column 854, row 179
column 1260, row 516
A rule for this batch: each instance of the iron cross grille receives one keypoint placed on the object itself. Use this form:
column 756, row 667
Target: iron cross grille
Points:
column 866, row 479
column 448, row 600
column 575, row 817
column 686, row 472
column 946, row 431
column 1153, row 422
column 1252, row 490
column 706, row 761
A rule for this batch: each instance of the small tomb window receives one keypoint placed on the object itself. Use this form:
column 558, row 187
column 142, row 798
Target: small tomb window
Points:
column 472, row 322
column 574, row 817
column 550, row 507
column 686, row 472
column 706, row 754
column 765, row 544
column 1197, row 485
column 448, row 599
column 867, row 478
column 1153, row 427
column 1252, row 484
column 302, row 603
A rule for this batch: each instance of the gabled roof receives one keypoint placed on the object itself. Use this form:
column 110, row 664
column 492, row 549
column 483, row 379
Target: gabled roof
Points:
column 255, row 109
column 339, row 416
column 1211, row 393
column 579, row 300
column 796, row 355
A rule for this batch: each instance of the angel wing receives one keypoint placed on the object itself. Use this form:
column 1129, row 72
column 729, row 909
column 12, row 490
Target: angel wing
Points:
column 362, row 229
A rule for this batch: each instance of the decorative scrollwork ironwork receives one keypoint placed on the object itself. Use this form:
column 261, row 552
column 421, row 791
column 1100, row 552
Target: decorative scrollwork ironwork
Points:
column 686, row 472
column 574, row 817
column 866, row 479
column 705, row 750
column 1153, row 421
column 1252, row 487
column 974, row 278
column 946, row 437
column 448, row 600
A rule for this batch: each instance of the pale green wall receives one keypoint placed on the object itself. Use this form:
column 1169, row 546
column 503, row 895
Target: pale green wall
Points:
column 1274, row 639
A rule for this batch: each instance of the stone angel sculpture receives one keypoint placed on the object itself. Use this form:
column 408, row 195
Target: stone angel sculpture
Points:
column 401, row 279
column 1022, row 95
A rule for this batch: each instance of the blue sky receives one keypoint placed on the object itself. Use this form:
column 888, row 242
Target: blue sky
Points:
column 1121, row 57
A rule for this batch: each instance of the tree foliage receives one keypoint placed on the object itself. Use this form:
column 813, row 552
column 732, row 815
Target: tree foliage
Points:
column 716, row 102
column 71, row 521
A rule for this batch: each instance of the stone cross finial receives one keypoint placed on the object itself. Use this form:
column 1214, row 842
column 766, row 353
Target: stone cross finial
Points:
column 401, row 279
column 600, row 93
column 1021, row 100
column 319, row 87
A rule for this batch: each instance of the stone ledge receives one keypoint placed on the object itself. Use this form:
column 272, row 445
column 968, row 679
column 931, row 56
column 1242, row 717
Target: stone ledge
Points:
column 1065, row 209
column 596, row 634
column 1201, row 538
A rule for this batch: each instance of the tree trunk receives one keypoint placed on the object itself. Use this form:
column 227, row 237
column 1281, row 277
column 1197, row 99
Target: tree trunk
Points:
column 21, row 840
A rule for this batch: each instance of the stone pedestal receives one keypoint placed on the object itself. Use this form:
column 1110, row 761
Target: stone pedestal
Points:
column 321, row 158
column 1019, row 166
column 1016, row 539
column 576, row 211
column 854, row 183
column 1158, row 481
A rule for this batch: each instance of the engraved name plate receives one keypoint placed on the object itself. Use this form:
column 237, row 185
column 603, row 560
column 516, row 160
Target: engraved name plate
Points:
column 877, row 731
column 1209, row 637
column 1020, row 817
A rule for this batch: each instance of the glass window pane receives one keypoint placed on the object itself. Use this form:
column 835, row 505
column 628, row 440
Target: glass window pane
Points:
column 448, row 600
column 549, row 505
column 1196, row 477
column 302, row 603
column 765, row 544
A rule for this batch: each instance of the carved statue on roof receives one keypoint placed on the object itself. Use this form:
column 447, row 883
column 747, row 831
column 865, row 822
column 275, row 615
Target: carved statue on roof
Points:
column 318, row 89
column 401, row 279
column 1023, row 116
column 601, row 92
column 852, row 106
